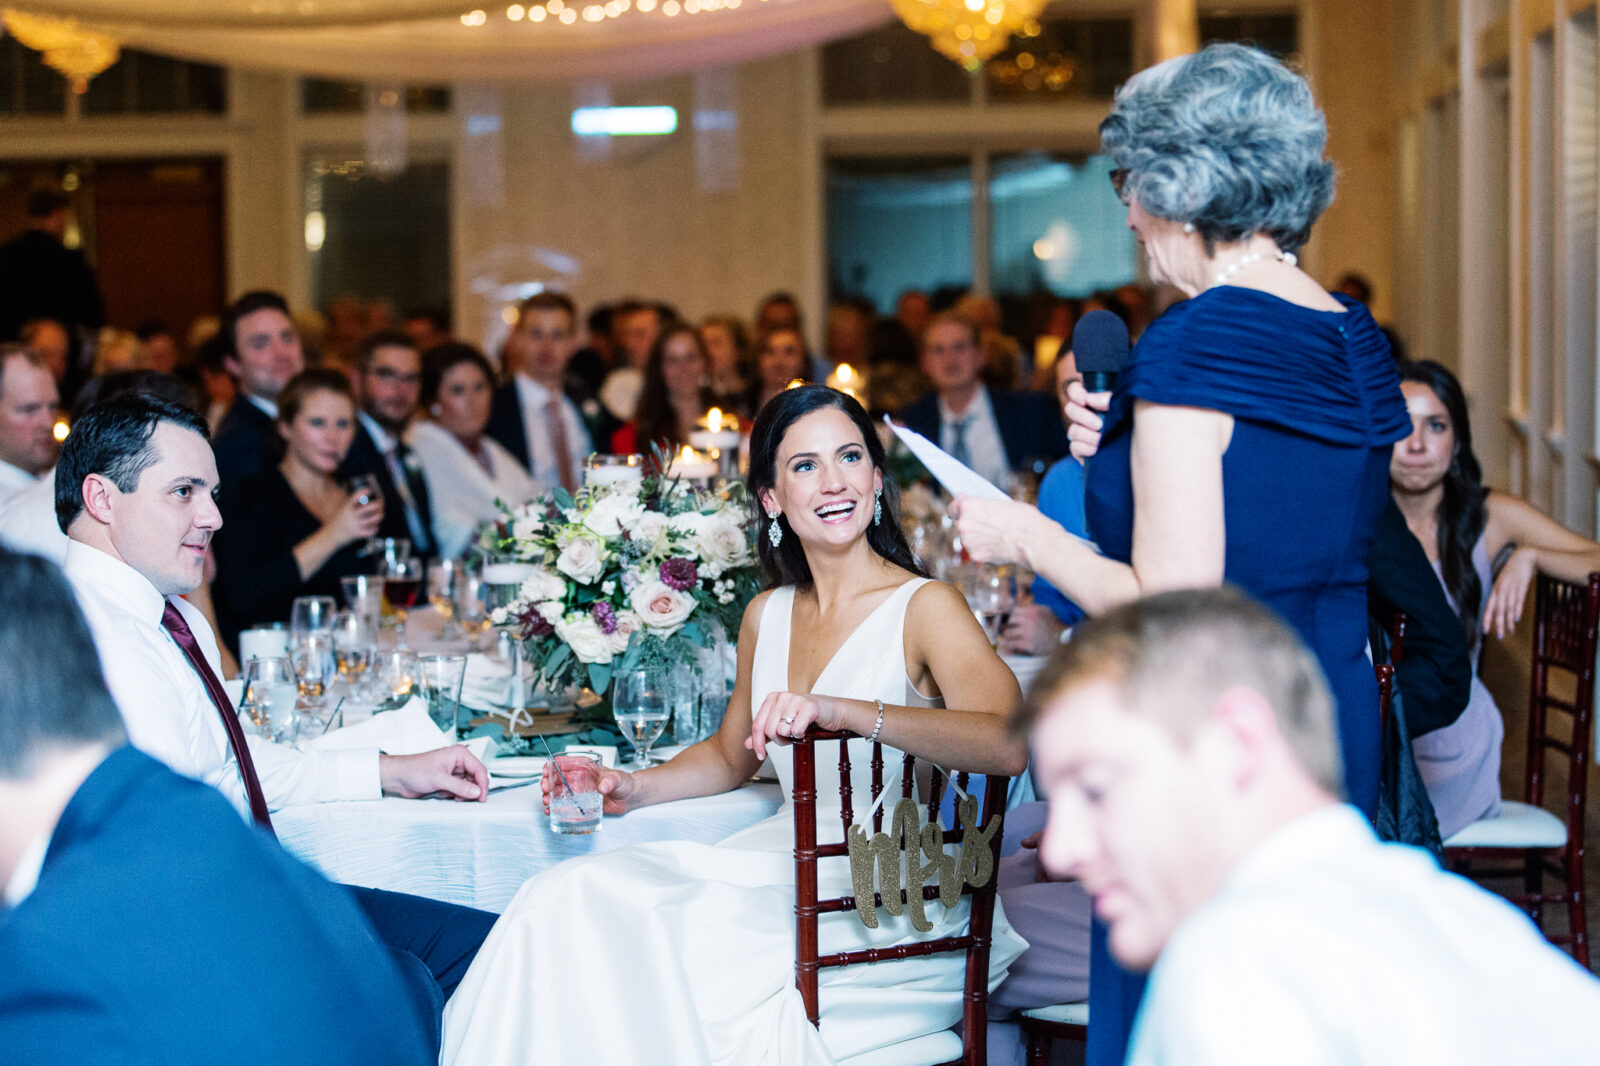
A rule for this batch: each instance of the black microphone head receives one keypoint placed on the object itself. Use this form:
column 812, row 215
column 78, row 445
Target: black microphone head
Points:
column 1100, row 343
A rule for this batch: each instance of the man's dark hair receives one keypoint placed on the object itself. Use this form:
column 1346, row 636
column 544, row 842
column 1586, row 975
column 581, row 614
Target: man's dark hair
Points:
column 58, row 707
column 248, row 304
column 438, row 318
column 112, row 439
column 599, row 320
column 384, row 338
column 45, row 201
column 549, row 301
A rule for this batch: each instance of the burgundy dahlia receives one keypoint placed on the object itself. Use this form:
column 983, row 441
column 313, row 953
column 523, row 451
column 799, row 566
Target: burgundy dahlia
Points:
column 606, row 617
column 679, row 573
column 534, row 627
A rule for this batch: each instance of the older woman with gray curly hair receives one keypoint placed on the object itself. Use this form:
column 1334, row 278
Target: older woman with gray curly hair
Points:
column 1248, row 440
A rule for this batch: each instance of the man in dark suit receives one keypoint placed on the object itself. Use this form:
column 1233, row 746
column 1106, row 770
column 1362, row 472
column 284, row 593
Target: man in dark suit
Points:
column 523, row 416
column 995, row 433
column 40, row 277
column 390, row 372
column 263, row 354
column 143, row 921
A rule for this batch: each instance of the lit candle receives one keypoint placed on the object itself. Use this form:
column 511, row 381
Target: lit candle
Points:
column 690, row 465
column 846, row 380
column 719, row 438
column 613, row 469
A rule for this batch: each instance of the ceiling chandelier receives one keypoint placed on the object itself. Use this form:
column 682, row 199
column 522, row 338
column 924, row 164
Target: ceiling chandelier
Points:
column 970, row 31
column 77, row 54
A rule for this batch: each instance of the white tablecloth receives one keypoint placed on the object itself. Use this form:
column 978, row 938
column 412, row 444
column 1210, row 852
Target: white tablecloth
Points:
column 479, row 854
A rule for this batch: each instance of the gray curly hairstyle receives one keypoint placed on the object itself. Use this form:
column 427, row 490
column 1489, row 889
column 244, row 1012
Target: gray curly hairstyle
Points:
column 1227, row 139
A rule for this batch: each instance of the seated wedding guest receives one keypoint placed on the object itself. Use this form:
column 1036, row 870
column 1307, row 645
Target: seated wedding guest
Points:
column 635, row 328
column 591, row 363
column 130, row 891
column 846, row 336
column 426, row 326
column 682, row 953
column 675, row 395
column 470, row 473
column 28, row 400
column 779, row 310
column 134, row 493
column 49, row 340
column 534, row 415
column 727, row 344
column 389, row 382
column 1036, row 628
column 995, row 433
column 1438, row 484
column 1188, row 745
column 262, row 352
column 1002, row 355
column 895, row 379
column 296, row 528
column 781, row 358
column 913, row 310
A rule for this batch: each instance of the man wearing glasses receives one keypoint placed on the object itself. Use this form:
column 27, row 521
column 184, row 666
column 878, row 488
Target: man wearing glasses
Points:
column 390, row 383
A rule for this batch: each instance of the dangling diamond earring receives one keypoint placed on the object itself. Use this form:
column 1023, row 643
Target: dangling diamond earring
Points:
column 877, row 506
column 774, row 531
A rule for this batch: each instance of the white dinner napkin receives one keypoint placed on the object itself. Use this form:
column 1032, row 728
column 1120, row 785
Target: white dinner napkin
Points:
column 407, row 731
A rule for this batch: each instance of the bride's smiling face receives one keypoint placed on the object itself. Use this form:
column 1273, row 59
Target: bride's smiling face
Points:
column 825, row 480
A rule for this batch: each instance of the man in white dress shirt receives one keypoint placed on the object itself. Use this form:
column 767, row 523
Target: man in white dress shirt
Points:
column 28, row 401
column 134, row 494
column 531, row 416
column 1187, row 744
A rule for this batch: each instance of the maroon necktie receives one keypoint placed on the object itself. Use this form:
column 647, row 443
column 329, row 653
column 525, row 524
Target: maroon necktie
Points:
column 174, row 623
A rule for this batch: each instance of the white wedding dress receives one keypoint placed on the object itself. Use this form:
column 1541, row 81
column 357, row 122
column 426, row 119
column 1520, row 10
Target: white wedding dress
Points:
column 680, row 954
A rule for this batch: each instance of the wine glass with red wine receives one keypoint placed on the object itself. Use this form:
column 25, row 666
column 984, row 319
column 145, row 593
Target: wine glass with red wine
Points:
column 402, row 584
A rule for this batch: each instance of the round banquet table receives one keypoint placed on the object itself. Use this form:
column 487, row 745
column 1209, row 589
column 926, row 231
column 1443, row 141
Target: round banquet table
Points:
column 479, row 854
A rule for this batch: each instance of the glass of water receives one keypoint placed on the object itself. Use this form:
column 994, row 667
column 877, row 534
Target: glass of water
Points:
column 683, row 694
column 575, row 800
column 355, row 646
column 441, row 677
column 992, row 595
column 315, row 665
column 270, row 695
column 641, row 706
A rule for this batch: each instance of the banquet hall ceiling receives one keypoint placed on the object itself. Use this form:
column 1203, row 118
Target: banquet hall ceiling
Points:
column 431, row 40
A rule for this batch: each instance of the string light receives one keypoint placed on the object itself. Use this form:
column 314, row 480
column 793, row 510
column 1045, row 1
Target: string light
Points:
column 568, row 12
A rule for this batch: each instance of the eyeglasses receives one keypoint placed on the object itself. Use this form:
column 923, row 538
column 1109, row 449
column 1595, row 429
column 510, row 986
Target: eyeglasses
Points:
column 1119, row 184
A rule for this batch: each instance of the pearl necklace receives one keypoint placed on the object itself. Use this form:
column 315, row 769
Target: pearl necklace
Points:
column 1244, row 261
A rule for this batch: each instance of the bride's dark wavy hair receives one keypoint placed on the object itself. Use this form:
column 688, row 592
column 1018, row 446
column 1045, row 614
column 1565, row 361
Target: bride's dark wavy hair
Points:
column 786, row 564
column 1462, row 512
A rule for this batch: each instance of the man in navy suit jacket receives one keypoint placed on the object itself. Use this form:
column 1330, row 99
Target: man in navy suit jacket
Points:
column 391, row 389
column 995, row 433
column 143, row 921
column 263, row 352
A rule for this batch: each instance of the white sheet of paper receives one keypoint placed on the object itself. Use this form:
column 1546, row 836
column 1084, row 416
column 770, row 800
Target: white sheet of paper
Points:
column 957, row 477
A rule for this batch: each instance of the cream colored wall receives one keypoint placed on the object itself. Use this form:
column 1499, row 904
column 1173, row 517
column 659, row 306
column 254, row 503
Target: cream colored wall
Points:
column 639, row 223
column 1348, row 58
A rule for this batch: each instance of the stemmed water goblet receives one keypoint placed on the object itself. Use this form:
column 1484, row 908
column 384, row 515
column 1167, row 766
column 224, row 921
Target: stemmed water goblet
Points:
column 641, row 706
column 992, row 595
column 270, row 696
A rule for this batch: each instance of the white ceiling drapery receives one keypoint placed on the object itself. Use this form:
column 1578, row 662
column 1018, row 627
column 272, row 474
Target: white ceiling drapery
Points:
column 362, row 40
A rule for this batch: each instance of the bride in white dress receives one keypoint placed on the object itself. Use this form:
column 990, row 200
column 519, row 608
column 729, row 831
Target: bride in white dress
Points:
column 680, row 953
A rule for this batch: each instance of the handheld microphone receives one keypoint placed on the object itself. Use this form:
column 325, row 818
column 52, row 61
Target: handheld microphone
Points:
column 1100, row 345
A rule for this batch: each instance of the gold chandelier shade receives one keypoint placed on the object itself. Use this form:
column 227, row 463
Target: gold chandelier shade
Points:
column 970, row 31
column 76, row 53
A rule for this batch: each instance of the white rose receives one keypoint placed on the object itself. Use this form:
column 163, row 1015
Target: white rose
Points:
column 583, row 559
column 627, row 626
column 583, row 636
column 541, row 584
column 661, row 607
column 499, row 616
column 527, row 525
column 550, row 611
column 610, row 515
column 651, row 531
column 722, row 547
column 690, row 522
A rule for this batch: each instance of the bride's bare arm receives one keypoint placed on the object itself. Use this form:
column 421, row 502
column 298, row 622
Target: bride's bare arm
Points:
column 719, row 763
column 944, row 640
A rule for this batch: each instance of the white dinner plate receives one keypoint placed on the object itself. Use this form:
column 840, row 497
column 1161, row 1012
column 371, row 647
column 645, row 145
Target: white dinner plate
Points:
column 516, row 766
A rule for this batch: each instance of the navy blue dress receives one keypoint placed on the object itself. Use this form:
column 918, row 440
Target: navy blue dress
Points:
column 1316, row 405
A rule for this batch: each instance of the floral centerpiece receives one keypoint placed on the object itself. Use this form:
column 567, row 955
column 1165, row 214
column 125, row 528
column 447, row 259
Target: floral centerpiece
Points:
column 626, row 576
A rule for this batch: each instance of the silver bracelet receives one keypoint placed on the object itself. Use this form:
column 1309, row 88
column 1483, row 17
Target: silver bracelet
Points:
column 873, row 739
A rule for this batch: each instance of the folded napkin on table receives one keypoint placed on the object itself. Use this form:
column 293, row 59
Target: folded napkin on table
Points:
column 408, row 731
